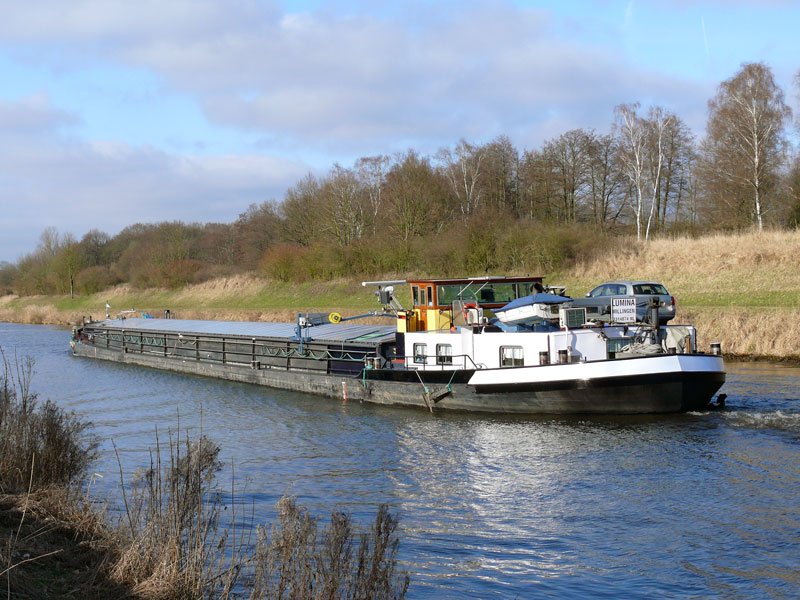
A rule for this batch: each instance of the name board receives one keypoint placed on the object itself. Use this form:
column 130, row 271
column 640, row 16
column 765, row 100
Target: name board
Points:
column 623, row 310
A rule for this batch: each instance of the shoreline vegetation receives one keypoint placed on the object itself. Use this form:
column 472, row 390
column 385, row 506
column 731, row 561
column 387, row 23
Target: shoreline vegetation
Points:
column 742, row 290
column 171, row 540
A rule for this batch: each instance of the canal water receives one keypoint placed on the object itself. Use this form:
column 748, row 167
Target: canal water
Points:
column 694, row 505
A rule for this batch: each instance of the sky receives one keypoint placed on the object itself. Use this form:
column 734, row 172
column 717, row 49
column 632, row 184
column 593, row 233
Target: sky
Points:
column 115, row 112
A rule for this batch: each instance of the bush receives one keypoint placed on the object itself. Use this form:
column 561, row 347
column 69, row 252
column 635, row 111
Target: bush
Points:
column 95, row 279
column 41, row 445
column 285, row 262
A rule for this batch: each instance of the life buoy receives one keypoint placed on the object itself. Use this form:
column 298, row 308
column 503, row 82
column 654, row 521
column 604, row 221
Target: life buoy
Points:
column 335, row 317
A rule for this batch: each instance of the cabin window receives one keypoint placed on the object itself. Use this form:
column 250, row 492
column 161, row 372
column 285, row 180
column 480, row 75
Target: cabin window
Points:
column 511, row 356
column 420, row 350
column 444, row 354
column 415, row 295
column 430, row 296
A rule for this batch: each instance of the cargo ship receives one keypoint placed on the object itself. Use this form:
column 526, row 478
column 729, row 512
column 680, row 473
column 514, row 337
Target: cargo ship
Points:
column 449, row 350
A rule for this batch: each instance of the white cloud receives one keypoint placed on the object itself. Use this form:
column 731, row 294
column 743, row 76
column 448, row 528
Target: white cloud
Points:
column 339, row 82
column 49, row 179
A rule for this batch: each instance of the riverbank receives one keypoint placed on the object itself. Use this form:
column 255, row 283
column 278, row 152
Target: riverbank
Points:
column 742, row 290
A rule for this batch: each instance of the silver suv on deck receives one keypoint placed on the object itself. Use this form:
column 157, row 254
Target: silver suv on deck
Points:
column 598, row 302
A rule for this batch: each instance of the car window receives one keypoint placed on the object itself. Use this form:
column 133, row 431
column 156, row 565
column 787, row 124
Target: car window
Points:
column 650, row 289
column 598, row 291
column 660, row 289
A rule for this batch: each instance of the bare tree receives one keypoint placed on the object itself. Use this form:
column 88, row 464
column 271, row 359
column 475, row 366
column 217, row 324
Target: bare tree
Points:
column 371, row 172
column 604, row 179
column 500, row 176
column 462, row 168
column 642, row 149
column 255, row 230
column 536, row 186
column 632, row 138
column 343, row 206
column 567, row 171
column 414, row 197
column 299, row 210
column 745, row 143
column 67, row 263
column 94, row 244
column 679, row 155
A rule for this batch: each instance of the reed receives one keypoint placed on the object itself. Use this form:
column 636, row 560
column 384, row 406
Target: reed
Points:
column 297, row 560
column 56, row 542
column 172, row 545
column 41, row 445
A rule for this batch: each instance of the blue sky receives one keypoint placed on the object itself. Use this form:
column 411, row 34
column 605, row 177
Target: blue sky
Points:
column 115, row 112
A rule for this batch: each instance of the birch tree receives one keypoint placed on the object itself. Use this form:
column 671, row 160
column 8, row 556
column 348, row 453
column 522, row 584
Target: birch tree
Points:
column 642, row 153
column 343, row 206
column 632, row 139
column 462, row 168
column 745, row 144
column 371, row 172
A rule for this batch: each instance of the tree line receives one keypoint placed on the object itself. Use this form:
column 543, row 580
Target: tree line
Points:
column 472, row 208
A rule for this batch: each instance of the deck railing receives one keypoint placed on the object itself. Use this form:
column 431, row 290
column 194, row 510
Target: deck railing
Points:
column 252, row 352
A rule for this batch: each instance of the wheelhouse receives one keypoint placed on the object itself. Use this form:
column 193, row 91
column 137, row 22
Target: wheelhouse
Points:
column 437, row 304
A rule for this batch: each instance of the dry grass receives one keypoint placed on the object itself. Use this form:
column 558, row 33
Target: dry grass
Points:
column 40, row 313
column 740, row 289
column 168, row 543
column 56, row 545
column 723, row 263
column 215, row 289
column 747, row 333
column 53, row 543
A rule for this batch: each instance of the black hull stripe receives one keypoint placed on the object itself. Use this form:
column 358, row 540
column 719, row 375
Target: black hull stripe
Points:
column 693, row 377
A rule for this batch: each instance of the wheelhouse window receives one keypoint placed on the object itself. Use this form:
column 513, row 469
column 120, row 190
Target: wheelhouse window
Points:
column 511, row 356
column 420, row 350
column 444, row 354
